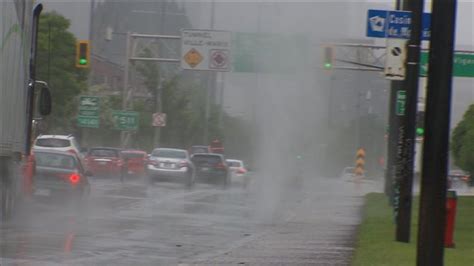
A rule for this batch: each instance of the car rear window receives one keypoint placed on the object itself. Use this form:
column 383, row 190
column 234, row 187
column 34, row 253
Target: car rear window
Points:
column 234, row 164
column 103, row 153
column 169, row 154
column 53, row 143
column 210, row 159
column 55, row 160
column 132, row 155
column 199, row 150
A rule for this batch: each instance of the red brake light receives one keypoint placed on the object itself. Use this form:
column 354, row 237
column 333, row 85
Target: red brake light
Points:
column 183, row 164
column 74, row 178
column 241, row 171
column 72, row 151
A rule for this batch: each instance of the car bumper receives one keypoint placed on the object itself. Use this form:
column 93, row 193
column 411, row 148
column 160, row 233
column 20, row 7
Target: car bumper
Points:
column 45, row 189
column 179, row 173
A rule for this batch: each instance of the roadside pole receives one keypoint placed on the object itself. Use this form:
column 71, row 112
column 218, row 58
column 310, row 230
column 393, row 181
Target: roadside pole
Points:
column 407, row 141
column 391, row 185
column 125, row 91
column 430, row 248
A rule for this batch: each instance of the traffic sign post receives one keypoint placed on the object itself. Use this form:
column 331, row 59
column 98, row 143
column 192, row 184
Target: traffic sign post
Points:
column 125, row 120
column 88, row 115
column 205, row 50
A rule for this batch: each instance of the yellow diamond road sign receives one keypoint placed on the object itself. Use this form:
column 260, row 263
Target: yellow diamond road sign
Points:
column 208, row 50
column 193, row 58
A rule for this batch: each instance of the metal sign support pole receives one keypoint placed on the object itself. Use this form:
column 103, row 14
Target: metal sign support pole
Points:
column 431, row 226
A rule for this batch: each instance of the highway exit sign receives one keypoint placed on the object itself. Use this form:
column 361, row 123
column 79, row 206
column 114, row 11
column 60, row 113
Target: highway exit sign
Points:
column 463, row 65
column 125, row 120
column 88, row 121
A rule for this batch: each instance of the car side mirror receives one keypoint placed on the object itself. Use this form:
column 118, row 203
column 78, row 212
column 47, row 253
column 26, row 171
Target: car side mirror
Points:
column 45, row 101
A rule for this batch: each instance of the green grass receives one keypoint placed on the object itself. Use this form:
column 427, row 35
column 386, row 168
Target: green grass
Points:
column 376, row 245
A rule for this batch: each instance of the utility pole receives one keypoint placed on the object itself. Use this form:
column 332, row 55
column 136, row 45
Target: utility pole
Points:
column 406, row 141
column 125, row 92
column 210, row 83
column 431, row 225
column 159, row 87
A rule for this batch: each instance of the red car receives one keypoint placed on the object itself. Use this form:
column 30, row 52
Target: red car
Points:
column 104, row 161
column 134, row 162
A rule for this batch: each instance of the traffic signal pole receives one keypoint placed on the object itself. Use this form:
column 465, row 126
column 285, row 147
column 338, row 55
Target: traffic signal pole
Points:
column 432, row 213
column 406, row 139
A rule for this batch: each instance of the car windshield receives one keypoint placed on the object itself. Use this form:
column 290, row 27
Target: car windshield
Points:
column 61, row 161
column 103, row 153
column 53, row 143
column 164, row 153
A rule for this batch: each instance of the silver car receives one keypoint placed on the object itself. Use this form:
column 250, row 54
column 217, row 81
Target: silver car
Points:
column 171, row 163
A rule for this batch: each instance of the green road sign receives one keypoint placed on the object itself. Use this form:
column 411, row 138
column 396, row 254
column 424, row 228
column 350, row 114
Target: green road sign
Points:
column 89, row 112
column 125, row 120
column 400, row 107
column 89, row 103
column 463, row 65
column 88, row 121
column 270, row 53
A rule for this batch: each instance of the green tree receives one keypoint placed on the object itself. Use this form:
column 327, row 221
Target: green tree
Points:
column 462, row 141
column 56, row 65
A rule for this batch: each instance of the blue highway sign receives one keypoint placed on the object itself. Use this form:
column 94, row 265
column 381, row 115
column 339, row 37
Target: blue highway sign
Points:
column 394, row 24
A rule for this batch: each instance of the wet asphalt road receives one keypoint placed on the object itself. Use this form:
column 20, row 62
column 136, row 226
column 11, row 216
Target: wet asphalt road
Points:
column 166, row 224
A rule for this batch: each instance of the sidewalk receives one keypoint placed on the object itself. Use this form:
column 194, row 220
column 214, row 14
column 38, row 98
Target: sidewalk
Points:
column 319, row 231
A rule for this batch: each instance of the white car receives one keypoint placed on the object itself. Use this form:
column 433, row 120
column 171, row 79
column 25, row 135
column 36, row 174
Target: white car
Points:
column 171, row 163
column 238, row 170
column 65, row 143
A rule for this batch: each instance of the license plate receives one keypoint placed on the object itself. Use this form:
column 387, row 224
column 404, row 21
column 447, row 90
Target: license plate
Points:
column 42, row 192
column 206, row 169
column 102, row 163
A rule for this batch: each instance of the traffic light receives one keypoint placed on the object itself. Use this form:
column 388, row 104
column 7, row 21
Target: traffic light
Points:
column 328, row 54
column 82, row 54
column 420, row 124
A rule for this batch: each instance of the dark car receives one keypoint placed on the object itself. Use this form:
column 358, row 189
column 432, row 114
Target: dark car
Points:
column 104, row 161
column 59, row 173
column 212, row 167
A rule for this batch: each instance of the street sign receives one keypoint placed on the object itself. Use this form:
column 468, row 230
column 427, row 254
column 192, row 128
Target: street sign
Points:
column 159, row 120
column 400, row 106
column 394, row 24
column 89, row 112
column 125, row 120
column 205, row 50
column 395, row 59
column 463, row 65
column 88, row 121
column 88, row 115
column 89, row 103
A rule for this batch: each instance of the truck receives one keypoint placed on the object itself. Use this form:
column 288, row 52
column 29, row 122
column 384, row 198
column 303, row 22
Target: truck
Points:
column 19, row 104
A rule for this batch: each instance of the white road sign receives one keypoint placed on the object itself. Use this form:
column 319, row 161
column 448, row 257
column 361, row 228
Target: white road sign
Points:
column 205, row 50
column 395, row 59
column 159, row 120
